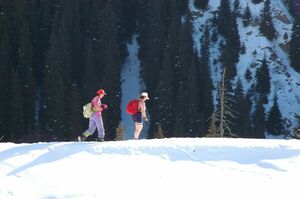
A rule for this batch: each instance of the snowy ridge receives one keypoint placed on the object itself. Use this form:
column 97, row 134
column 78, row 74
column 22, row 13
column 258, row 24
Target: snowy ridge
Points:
column 159, row 168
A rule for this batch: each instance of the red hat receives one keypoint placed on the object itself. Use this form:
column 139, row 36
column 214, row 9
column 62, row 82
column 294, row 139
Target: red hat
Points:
column 100, row 91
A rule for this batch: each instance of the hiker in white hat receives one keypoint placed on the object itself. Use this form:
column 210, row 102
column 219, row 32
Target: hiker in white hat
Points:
column 141, row 116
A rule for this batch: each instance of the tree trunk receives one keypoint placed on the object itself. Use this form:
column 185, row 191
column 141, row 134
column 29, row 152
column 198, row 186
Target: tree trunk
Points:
column 222, row 91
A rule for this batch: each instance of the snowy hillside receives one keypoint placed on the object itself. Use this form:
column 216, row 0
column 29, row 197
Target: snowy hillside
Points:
column 167, row 168
column 284, row 80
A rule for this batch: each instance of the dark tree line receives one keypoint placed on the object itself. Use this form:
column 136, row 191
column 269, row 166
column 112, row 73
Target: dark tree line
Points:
column 54, row 55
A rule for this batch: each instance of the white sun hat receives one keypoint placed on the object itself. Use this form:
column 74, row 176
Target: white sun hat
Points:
column 144, row 94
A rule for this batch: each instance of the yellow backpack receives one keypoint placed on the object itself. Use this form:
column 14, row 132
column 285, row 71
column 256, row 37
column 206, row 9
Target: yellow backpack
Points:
column 87, row 110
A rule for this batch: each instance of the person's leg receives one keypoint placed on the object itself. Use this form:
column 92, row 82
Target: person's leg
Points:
column 138, row 121
column 92, row 124
column 91, row 129
column 100, row 128
column 138, row 129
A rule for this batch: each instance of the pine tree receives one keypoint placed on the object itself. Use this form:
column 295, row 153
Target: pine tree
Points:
column 259, row 120
column 295, row 46
column 224, row 113
column 24, row 52
column 111, row 74
column 90, row 81
column 29, row 105
column 205, row 87
column 239, row 106
column 174, row 27
column 224, row 26
column 248, row 75
column 70, row 15
column 275, row 124
column 247, row 17
column 202, row 4
column 185, row 61
column 195, row 125
column 181, row 106
column 2, row 24
column 16, row 122
column 128, row 15
column 57, row 83
column 231, row 47
column 75, row 123
column 241, row 121
column 184, row 53
column 163, row 104
column 159, row 133
column 237, row 8
column 248, row 122
column 25, row 67
column 151, row 15
column 257, row 1
column 263, row 80
column 17, row 17
column 120, row 131
column 233, row 41
column 213, row 130
column 41, row 44
column 267, row 27
column 294, row 6
column 162, row 108
column 296, row 130
column 5, row 65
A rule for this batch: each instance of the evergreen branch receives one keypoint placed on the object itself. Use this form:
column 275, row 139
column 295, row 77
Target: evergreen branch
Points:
column 230, row 109
column 230, row 114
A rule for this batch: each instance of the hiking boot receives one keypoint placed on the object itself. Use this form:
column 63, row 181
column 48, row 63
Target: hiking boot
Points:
column 100, row 140
column 82, row 138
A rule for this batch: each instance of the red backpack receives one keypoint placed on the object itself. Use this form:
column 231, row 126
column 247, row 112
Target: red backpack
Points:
column 132, row 107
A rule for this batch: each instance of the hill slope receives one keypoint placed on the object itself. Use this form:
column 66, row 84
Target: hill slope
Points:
column 284, row 79
column 172, row 168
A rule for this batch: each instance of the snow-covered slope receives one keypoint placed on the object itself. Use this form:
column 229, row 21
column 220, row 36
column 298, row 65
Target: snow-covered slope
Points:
column 167, row 168
column 284, row 80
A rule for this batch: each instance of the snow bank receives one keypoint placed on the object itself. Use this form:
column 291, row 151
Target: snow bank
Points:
column 171, row 168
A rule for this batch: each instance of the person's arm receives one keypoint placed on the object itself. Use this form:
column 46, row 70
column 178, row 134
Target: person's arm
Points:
column 143, row 109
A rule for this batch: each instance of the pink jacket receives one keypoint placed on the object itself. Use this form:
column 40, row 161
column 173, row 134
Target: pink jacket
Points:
column 96, row 104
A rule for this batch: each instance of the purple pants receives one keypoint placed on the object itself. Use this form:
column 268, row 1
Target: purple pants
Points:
column 95, row 121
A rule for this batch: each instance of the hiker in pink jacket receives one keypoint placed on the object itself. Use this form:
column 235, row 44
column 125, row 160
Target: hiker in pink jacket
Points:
column 95, row 121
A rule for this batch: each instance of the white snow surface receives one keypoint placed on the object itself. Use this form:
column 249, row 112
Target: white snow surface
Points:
column 160, row 168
